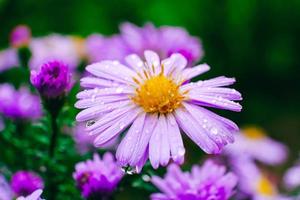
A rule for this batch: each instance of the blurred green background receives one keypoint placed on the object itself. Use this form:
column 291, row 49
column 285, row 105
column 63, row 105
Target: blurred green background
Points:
column 257, row 41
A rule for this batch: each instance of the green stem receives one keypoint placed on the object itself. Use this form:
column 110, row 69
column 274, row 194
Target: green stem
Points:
column 53, row 135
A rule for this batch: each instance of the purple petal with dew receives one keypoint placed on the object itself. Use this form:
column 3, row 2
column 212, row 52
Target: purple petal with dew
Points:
column 135, row 62
column 142, row 145
column 116, row 128
column 192, row 72
column 95, row 111
column 93, row 93
column 129, row 142
column 110, row 117
column 90, row 102
column 195, row 131
column 213, row 101
column 112, row 70
column 175, row 140
column 155, row 145
column 165, row 146
column 152, row 60
column 215, row 130
column 93, row 82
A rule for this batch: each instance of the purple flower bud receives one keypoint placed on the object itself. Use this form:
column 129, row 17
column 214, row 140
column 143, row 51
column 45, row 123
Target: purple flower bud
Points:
column 23, row 183
column 20, row 36
column 53, row 80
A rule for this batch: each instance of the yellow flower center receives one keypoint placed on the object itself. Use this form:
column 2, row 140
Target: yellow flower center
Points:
column 254, row 133
column 158, row 94
column 265, row 187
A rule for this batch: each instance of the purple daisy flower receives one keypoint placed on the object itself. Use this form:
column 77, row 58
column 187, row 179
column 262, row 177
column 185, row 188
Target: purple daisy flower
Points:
column 203, row 183
column 20, row 36
column 254, row 183
column 165, row 41
column 36, row 195
column 156, row 99
column 5, row 190
column 292, row 177
column 254, row 142
column 54, row 47
column 19, row 104
column 98, row 178
column 24, row 183
column 53, row 80
column 8, row 59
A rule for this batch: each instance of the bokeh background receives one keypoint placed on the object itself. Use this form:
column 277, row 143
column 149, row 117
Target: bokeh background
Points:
column 256, row 41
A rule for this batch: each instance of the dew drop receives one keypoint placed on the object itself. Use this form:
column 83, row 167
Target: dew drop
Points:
column 214, row 130
column 90, row 123
column 181, row 151
column 121, row 125
column 119, row 90
column 146, row 178
column 129, row 170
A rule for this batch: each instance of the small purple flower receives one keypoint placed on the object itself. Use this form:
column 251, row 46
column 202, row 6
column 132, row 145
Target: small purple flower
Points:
column 54, row 47
column 98, row 177
column 53, row 80
column 254, row 142
column 253, row 182
column 156, row 100
column 5, row 189
column 292, row 177
column 203, row 183
column 24, row 183
column 19, row 104
column 8, row 59
column 20, row 36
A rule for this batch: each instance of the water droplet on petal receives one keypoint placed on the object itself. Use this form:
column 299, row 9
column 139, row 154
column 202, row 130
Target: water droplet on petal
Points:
column 90, row 123
column 214, row 130
column 119, row 90
column 181, row 151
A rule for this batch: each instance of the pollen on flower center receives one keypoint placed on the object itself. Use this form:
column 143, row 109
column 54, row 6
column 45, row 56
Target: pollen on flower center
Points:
column 158, row 94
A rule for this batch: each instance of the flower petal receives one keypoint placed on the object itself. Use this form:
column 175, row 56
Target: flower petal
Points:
column 175, row 140
column 135, row 62
column 96, row 92
column 112, row 70
column 129, row 142
column 116, row 128
column 215, row 129
column 153, row 61
column 142, row 145
column 165, row 146
column 214, row 102
column 95, row 111
column 155, row 145
column 191, row 127
column 90, row 102
column 162, row 186
column 192, row 72
column 94, row 82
